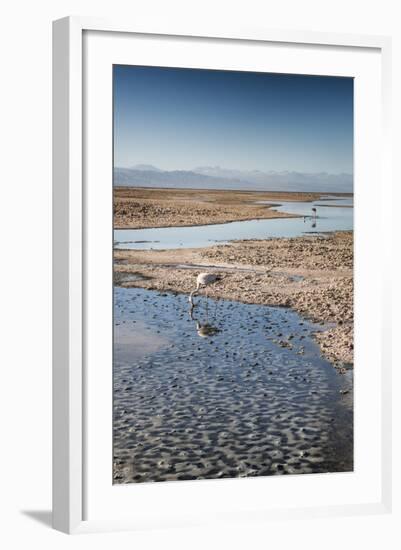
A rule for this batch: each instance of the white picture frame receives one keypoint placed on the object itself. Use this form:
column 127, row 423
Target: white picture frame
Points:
column 70, row 259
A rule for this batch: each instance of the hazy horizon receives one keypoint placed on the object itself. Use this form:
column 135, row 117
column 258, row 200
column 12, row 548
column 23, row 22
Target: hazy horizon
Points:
column 143, row 175
column 157, row 168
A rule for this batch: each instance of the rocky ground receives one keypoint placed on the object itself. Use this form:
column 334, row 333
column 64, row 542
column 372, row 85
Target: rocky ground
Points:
column 137, row 208
column 313, row 275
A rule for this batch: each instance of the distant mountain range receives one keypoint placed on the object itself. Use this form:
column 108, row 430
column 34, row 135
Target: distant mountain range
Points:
column 214, row 177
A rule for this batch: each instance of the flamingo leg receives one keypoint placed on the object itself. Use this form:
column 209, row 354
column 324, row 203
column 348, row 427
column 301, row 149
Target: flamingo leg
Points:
column 206, row 294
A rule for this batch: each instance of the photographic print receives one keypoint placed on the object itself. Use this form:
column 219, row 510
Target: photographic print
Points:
column 233, row 274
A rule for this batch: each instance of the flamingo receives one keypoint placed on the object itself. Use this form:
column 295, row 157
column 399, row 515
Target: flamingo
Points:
column 314, row 212
column 203, row 280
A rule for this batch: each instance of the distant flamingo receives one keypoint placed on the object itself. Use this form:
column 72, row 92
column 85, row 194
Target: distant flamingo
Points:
column 314, row 212
column 203, row 280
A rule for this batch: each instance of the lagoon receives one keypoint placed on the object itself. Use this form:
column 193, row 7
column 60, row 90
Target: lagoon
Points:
column 333, row 214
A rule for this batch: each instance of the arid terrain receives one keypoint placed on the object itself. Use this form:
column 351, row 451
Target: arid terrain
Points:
column 137, row 208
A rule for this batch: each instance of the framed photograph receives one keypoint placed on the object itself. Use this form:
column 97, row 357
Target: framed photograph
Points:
column 219, row 275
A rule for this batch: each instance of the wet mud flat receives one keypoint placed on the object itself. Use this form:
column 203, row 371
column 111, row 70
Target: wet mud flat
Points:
column 227, row 390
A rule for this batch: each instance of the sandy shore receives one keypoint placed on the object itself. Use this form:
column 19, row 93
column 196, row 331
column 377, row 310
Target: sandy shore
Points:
column 138, row 208
column 313, row 275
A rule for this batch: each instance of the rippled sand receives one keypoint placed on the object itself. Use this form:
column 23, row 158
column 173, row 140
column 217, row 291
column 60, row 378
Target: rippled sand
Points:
column 234, row 390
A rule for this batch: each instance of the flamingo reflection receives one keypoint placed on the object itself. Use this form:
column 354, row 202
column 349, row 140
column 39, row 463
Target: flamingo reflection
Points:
column 204, row 329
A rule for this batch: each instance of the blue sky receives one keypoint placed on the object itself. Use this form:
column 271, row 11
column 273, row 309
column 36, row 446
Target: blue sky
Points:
column 178, row 119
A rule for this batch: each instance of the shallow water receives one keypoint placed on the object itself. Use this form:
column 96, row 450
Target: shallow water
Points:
column 329, row 209
column 333, row 214
column 235, row 390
